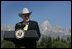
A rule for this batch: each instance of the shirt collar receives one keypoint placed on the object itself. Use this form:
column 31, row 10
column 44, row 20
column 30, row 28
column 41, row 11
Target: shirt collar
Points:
column 25, row 23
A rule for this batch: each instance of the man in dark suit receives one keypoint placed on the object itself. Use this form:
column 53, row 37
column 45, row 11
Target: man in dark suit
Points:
column 27, row 24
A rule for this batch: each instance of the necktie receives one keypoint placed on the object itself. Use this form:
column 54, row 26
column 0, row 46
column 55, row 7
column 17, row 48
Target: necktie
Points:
column 26, row 27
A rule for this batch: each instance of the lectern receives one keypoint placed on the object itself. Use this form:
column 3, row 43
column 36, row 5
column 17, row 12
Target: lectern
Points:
column 27, row 35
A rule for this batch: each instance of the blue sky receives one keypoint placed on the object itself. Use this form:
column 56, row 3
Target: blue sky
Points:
column 56, row 12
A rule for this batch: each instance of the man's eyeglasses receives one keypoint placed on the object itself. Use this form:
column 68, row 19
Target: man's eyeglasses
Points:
column 26, row 15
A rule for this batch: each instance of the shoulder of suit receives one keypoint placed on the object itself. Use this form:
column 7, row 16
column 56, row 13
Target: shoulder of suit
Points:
column 33, row 21
column 19, row 23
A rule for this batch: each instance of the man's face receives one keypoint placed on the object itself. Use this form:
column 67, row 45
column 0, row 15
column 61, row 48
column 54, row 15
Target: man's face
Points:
column 26, row 18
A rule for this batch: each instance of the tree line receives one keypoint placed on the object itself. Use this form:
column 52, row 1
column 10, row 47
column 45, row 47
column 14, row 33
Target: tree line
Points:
column 46, row 42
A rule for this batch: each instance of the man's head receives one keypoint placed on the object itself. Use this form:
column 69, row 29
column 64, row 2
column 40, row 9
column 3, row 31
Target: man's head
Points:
column 25, row 15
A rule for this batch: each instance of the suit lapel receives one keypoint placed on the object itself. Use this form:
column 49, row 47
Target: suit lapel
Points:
column 29, row 25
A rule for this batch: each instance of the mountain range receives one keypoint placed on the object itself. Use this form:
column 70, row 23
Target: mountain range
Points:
column 47, row 29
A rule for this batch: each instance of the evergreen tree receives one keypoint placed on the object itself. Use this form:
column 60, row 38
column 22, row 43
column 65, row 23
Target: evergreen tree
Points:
column 7, row 44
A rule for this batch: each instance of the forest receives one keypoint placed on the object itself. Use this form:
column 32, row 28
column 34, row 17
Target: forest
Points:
column 46, row 42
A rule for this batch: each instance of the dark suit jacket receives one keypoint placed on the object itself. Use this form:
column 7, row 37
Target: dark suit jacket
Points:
column 33, row 25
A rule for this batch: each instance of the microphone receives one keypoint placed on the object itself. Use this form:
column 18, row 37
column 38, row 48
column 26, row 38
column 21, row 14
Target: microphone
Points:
column 21, row 26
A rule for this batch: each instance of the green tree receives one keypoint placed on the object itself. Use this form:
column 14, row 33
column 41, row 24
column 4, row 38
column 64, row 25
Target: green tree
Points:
column 68, row 42
column 7, row 44
column 49, row 42
column 43, row 43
